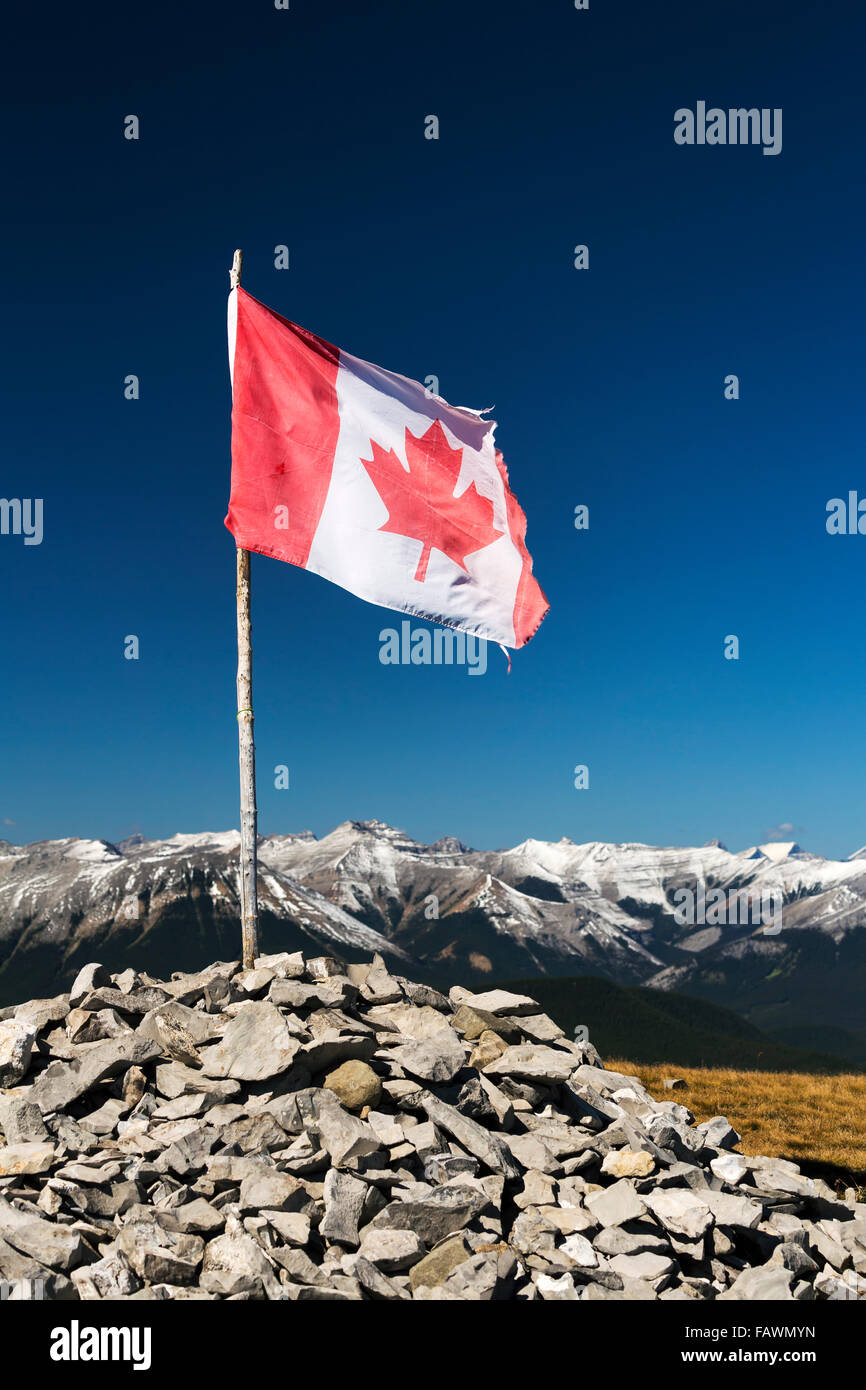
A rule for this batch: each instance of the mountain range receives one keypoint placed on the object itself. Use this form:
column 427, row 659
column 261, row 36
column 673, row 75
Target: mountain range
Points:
column 444, row 911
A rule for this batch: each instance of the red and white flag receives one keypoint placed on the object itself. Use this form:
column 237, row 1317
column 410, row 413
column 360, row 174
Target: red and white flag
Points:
column 365, row 478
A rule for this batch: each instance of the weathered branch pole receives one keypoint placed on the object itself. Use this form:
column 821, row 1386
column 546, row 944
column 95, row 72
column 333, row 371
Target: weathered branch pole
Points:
column 246, row 743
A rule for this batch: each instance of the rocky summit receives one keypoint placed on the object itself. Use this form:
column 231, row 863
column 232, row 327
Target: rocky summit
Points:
column 310, row 1130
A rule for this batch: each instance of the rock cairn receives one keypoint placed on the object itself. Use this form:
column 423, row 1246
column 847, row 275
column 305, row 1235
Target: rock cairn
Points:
column 311, row 1130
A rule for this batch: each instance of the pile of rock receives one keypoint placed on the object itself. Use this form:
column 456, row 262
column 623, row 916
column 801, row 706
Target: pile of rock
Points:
column 310, row 1130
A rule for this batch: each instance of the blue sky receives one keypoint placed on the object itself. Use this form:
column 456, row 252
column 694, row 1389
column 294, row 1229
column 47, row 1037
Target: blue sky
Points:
column 707, row 517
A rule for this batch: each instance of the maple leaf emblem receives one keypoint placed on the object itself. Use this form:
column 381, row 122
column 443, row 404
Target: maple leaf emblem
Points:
column 421, row 503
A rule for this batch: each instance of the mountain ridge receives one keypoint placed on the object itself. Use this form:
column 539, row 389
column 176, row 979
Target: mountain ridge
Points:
column 539, row 908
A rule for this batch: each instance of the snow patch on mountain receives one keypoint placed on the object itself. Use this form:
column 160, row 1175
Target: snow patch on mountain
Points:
column 779, row 850
column 91, row 851
column 222, row 840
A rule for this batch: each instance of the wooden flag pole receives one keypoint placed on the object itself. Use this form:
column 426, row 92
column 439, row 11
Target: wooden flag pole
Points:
column 246, row 744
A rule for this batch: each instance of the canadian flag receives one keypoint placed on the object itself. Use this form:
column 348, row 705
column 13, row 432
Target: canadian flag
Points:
column 367, row 479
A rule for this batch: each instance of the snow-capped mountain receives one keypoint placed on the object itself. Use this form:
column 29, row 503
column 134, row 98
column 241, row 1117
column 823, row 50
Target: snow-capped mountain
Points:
column 537, row 908
column 152, row 902
column 382, row 876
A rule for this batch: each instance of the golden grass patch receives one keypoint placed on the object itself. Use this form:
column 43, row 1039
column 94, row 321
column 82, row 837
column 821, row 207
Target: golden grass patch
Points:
column 791, row 1115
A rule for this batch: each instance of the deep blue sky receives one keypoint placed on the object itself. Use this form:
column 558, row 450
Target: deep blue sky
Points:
column 261, row 127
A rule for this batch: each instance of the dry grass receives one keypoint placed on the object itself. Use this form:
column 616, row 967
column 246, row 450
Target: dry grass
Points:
column 810, row 1119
